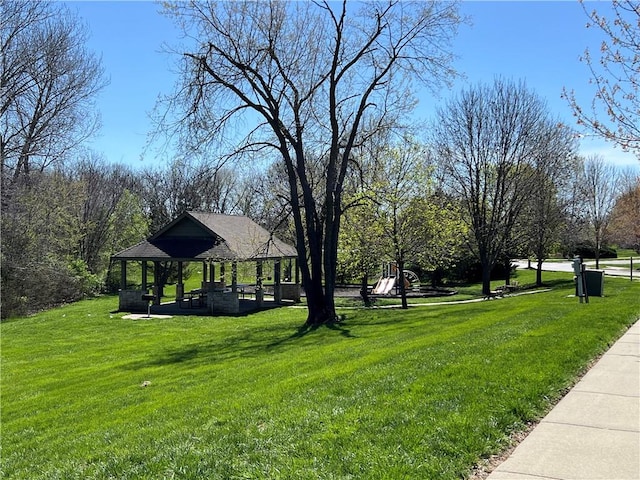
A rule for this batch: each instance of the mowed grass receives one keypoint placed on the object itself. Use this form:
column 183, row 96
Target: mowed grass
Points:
column 424, row 393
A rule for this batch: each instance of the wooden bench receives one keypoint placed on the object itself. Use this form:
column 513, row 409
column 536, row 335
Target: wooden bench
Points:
column 494, row 294
column 508, row 288
column 502, row 290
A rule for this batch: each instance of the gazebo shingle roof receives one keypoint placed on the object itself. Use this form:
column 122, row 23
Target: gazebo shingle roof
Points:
column 203, row 236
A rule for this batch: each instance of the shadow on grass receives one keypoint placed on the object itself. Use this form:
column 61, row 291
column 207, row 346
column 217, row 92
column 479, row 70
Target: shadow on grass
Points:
column 304, row 330
column 340, row 327
column 554, row 283
column 245, row 345
column 273, row 339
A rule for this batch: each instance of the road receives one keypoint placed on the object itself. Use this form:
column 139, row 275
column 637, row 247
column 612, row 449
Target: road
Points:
column 613, row 267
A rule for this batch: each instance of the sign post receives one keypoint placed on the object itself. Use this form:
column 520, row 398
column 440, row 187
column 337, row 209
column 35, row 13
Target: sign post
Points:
column 581, row 286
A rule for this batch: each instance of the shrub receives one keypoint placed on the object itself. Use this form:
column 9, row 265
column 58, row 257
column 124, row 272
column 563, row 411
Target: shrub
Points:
column 86, row 283
column 588, row 250
column 469, row 270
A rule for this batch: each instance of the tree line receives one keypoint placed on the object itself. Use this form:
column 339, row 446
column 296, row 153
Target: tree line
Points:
column 60, row 229
column 329, row 162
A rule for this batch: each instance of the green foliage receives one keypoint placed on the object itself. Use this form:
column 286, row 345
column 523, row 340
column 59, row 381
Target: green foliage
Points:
column 587, row 250
column 362, row 246
column 403, row 177
column 128, row 224
column 40, row 232
column 46, row 250
column 442, row 233
column 397, row 219
column 420, row 393
column 86, row 282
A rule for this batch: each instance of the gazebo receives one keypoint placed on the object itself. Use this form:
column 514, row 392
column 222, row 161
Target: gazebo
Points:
column 215, row 240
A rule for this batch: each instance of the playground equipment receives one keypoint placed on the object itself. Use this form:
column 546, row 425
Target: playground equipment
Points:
column 389, row 280
column 384, row 286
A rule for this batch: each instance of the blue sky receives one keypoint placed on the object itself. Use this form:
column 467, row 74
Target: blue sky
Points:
column 540, row 42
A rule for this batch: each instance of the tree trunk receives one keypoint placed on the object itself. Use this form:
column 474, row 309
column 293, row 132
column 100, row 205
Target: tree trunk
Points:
column 319, row 312
column 539, row 273
column 507, row 271
column 436, row 277
column 364, row 290
column 330, row 254
column 320, row 307
column 320, row 304
column 403, row 290
column 310, row 246
column 486, row 279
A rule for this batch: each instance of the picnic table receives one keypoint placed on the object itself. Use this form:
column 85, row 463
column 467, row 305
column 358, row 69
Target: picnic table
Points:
column 197, row 294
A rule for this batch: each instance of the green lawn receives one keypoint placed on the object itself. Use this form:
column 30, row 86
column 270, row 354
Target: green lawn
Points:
column 627, row 252
column 423, row 393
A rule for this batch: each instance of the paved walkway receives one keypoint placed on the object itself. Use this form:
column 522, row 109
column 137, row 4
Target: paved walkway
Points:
column 594, row 431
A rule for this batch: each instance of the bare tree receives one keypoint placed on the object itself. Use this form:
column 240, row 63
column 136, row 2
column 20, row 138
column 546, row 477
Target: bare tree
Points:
column 188, row 184
column 555, row 170
column 486, row 139
column 599, row 190
column 48, row 85
column 48, row 81
column 615, row 75
column 104, row 185
column 310, row 81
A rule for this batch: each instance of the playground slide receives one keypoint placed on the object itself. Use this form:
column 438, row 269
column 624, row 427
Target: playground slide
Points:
column 384, row 286
column 378, row 287
column 390, row 285
column 382, row 282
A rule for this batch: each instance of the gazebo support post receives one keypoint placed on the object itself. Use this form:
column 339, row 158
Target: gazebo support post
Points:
column 222, row 265
column 277, row 289
column 123, row 274
column 180, row 284
column 290, row 288
column 234, row 276
column 144, row 276
column 204, row 275
column 129, row 300
column 259, row 291
column 156, row 283
column 212, row 274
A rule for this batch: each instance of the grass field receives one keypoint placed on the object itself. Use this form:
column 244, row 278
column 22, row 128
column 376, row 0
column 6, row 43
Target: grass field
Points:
column 423, row 393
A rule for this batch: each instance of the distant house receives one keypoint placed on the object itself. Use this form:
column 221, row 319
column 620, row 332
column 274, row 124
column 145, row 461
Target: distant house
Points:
column 215, row 240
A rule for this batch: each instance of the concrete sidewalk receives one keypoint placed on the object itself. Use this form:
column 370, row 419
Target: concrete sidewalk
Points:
column 594, row 431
